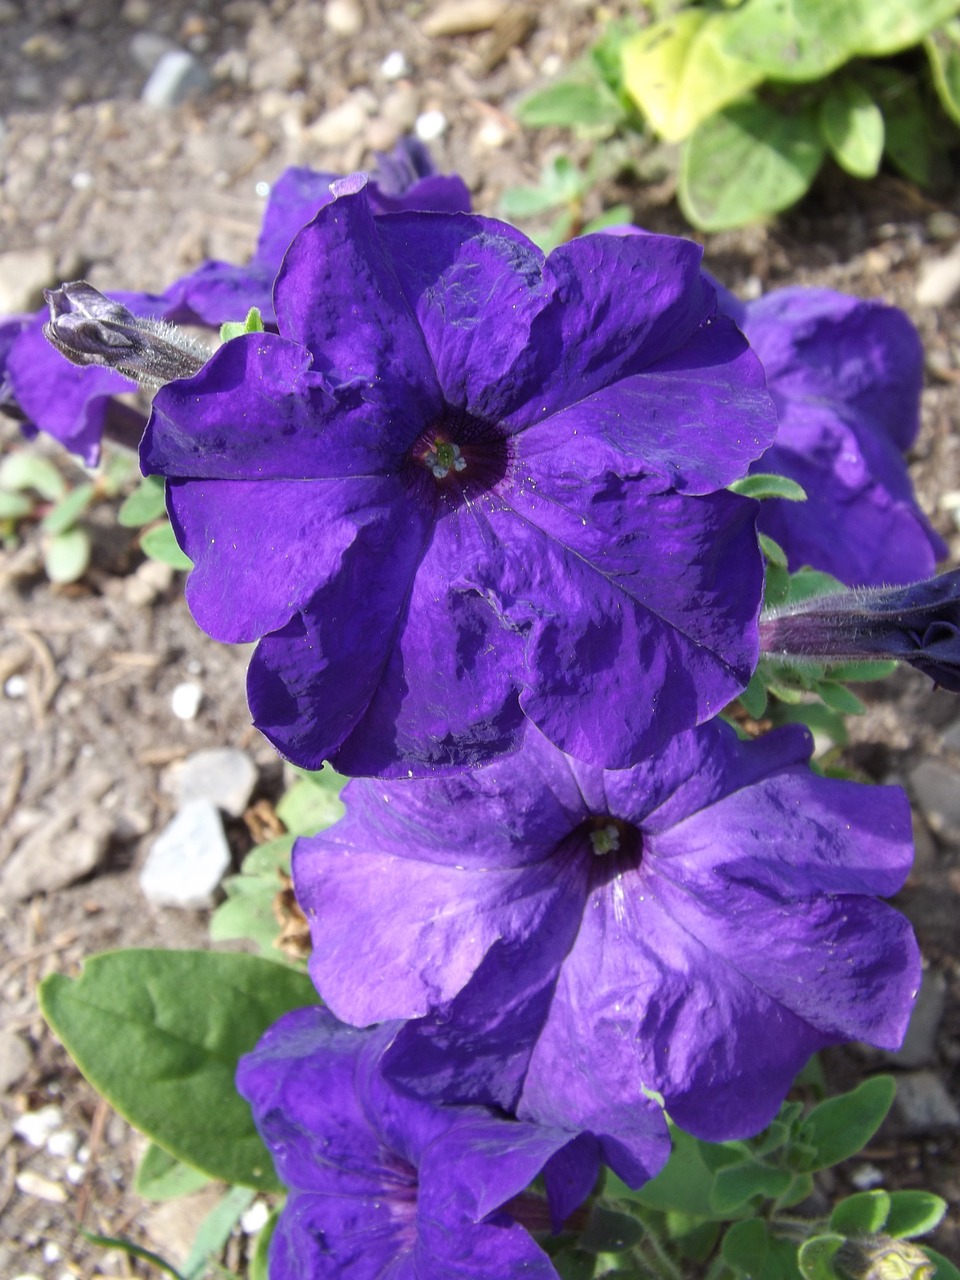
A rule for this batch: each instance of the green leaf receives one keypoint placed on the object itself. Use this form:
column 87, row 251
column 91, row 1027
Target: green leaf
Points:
column 159, row 1034
column 679, row 73
column 65, row 513
column 734, row 1187
column 161, row 1177
column 839, row 1127
column 943, row 52
column 14, row 506
column 852, row 127
column 754, row 697
column 268, row 859
column 945, row 1268
column 132, row 1250
column 25, row 469
column 144, row 505
column 66, row 555
column 561, row 183
column 234, row 328
column 309, row 807
column 861, row 671
column 259, row 1262
column 816, row 1257
column 912, row 1213
column 683, row 1184
column 619, row 215
column 772, row 551
column 838, row 698
column 747, row 163
column 159, row 543
column 801, row 1189
column 215, row 1230
column 745, row 1246
column 249, row 916
column 802, row 40
column 912, row 137
column 768, row 486
column 580, row 101
column 863, row 1214
column 609, row 1231
column 723, row 1155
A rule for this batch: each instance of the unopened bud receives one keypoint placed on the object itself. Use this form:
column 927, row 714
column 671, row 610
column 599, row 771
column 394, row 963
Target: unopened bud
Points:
column 883, row 1258
column 918, row 624
column 87, row 327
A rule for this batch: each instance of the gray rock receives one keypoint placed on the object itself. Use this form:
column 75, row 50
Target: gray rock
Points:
column 58, row 851
column 920, row 1044
column 923, row 1104
column 224, row 776
column 15, row 1058
column 342, row 123
column 176, row 77
column 187, row 860
column 936, row 789
column 24, row 274
column 147, row 48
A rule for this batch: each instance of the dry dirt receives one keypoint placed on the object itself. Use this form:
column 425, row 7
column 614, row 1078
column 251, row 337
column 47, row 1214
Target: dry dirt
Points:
column 132, row 196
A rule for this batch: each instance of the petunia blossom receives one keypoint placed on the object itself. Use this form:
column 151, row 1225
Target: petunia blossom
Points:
column 572, row 940
column 845, row 375
column 466, row 486
column 383, row 1185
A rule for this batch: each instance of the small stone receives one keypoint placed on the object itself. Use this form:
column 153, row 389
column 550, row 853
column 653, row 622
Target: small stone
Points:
column 254, row 1218
column 63, row 1144
column 936, row 789
column 463, row 17
column 343, row 17
column 33, row 1184
column 15, row 687
column 60, row 850
column 866, row 1177
column 52, row 1252
column 943, row 225
column 136, row 12
column 430, row 126
column 920, row 1045
column 148, row 47
column 36, row 1127
column 176, row 77
column 185, row 700
column 75, row 1174
column 938, row 282
column 923, row 1104
column 151, row 579
column 282, row 68
column 224, row 775
column 15, row 1059
column 24, row 274
column 395, row 65
column 188, row 859
column 341, row 124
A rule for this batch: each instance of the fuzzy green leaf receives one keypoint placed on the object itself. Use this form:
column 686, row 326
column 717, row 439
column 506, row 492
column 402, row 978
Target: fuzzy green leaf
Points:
column 913, row 1213
column 863, row 1214
column 26, row 469
column 144, row 505
column 763, row 486
column 816, row 1255
column 65, row 513
column 160, row 543
column 253, row 323
column 852, row 127
column 66, row 555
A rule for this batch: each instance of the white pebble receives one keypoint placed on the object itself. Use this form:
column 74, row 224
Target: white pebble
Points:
column 15, row 686
column 82, row 181
column 36, row 1127
column 866, row 1176
column 52, row 1252
column 343, row 17
column 185, row 700
column 254, row 1218
column 394, row 65
column 63, row 1144
column 262, row 189
column 74, row 1174
column 430, row 125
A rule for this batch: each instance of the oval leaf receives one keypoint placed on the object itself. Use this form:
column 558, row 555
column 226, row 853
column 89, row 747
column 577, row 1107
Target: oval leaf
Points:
column 745, row 1246
column 747, row 163
column 912, row 1213
column 679, row 74
column 159, row 1034
column 69, row 509
column 837, row 1128
column 852, row 127
column 145, row 504
column 861, row 1215
column 816, row 1256
column 66, row 555
column 160, row 544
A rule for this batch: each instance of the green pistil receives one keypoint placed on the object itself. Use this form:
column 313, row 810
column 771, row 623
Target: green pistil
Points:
column 444, row 458
column 605, row 840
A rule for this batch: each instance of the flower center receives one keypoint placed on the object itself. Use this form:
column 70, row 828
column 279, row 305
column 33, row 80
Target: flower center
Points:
column 443, row 458
column 605, row 839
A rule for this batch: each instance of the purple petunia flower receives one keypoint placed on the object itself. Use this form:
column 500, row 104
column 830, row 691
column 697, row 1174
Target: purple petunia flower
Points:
column 385, row 1185
column 845, row 375
column 220, row 291
column 467, row 485
column 571, row 939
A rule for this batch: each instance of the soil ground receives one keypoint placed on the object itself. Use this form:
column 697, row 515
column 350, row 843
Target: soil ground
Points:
column 132, row 196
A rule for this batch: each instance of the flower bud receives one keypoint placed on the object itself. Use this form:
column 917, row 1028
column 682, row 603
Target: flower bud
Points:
column 918, row 624
column 88, row 328
column 883, row 1258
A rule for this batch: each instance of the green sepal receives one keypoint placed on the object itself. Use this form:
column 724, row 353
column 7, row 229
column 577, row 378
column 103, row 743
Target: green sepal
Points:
column 235, row 328
column 913, row 1213
column 764, row 486
column 862, row 1214
column 815, row 1257
column 772, row 551
column 260, row 1258
column 945, row 1268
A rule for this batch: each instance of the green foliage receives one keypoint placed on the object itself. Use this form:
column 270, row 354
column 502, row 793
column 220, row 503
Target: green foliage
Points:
column 759, row 93
column 253, row 323
column 159, row 1034
column 248, row 910
column 159, row 543
column 160, row 1177
column 763, row 486
column 144, row 505
column 562, row 187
